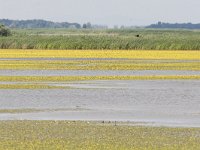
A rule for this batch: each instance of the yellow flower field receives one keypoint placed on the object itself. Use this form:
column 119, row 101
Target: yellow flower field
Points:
column 131, row 54
column 60, row 135
column 82, row 78
column 131, row 60
column 127, row 64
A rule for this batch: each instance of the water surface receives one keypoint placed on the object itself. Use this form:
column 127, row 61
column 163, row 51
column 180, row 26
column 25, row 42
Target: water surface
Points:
column 162, row 102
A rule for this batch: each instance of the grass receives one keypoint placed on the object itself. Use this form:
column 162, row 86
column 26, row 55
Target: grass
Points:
column 137, row 54
column 102, row 39
column 99, row 65
column 93, row 135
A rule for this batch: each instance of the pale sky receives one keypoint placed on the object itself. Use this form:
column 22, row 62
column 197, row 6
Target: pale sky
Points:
column 104, row 12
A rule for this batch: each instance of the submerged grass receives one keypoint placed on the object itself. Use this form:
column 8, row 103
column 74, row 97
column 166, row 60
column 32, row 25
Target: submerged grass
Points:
column 16, row 111
column 30, row 86
column 99, row 65
column 39, row 82
column 80, row 78
column 92, row 135
column 134, row 54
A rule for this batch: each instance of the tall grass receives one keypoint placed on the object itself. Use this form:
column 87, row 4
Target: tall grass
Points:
column 102, row 39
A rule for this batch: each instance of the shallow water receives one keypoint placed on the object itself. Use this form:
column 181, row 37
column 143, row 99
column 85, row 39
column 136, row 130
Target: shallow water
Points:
column 161, row 102
column 94, row 72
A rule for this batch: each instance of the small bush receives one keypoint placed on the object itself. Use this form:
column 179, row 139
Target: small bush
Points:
column 4, row 31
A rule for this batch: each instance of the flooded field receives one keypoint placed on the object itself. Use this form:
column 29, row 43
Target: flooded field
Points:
column 151, row 91
column 94, row 72
column 155, row 102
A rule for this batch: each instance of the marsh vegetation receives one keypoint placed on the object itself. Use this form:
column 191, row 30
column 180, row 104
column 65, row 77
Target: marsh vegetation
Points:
column 102, row 39
column 154, row 80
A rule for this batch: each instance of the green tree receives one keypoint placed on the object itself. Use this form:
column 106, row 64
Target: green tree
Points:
column 87, row 25
column 84, row 26
column 4, row 31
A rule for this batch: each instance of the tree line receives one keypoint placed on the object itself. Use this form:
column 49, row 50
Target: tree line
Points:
column 174, row 25
column 37, row 24
column 47, row 24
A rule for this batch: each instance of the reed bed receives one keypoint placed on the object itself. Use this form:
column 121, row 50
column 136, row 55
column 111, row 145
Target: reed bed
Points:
column 102, row 39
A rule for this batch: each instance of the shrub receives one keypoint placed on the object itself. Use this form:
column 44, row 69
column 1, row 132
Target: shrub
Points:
column 4, row 31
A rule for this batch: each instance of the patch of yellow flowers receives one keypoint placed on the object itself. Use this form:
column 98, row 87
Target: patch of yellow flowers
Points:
column 60, row 135
column 120, row 64
column 130, row 54
column 82, row 78
column 131, row 60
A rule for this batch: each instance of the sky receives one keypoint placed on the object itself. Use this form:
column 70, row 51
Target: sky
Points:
column 104, row 12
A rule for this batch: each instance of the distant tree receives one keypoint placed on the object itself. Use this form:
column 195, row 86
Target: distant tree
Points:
column 4, row 31
column 84, row 26
column 87, row 25
column 78, row 26
column 97, row 26
column 122, row 27
column 116, row 27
